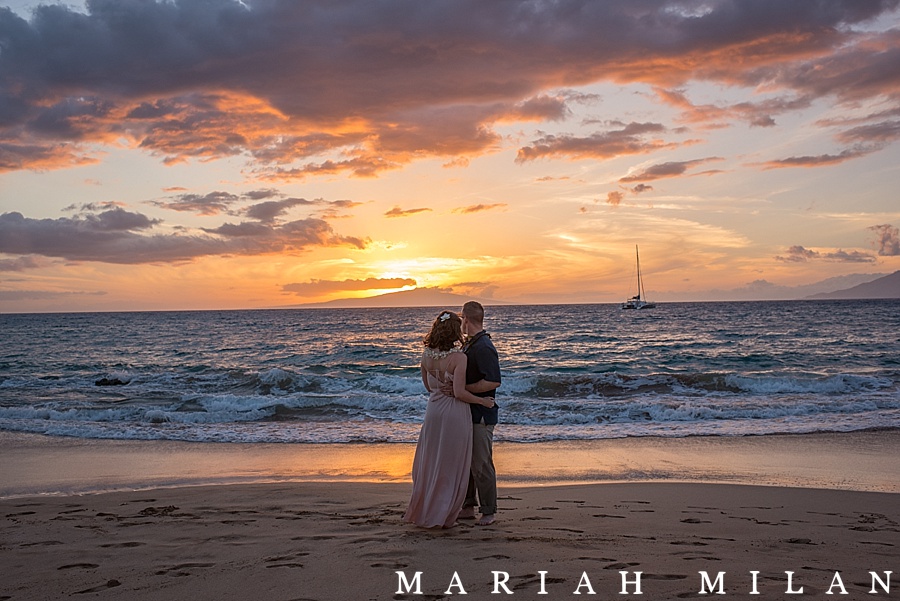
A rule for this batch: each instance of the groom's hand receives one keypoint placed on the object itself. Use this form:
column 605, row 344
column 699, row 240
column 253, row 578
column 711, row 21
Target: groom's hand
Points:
column 447, row 388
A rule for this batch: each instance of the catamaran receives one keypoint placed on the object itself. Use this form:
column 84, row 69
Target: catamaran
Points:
column 638, row 301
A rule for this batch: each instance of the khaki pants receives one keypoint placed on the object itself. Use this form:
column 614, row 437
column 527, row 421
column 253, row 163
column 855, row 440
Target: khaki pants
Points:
column 482, row 477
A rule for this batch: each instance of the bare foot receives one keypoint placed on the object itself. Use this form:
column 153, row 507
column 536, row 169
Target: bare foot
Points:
column 486, row 520
column 467, row 513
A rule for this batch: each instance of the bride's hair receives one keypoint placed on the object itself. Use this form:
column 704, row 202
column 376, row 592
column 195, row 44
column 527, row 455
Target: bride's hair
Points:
column 446, row 332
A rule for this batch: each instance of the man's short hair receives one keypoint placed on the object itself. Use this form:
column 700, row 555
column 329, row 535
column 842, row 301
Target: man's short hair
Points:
column 474, row 312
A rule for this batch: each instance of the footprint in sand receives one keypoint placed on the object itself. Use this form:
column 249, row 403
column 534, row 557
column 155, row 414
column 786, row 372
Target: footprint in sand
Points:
column 157, row 511
column 82, row 566
column 108, row 585
column 286, row 561
column 693, row 543
column 43, row 543
column 390, row 566
column 179, row 570
column 126, row 545
column 529, row 581
column 621, row 565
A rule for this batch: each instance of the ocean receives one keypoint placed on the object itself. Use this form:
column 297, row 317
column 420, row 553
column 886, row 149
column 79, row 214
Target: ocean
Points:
column 570, row 372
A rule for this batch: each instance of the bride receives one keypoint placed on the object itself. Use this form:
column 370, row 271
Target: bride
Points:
column 440, row 471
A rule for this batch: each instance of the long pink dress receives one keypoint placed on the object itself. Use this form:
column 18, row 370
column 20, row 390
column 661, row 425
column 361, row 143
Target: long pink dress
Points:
column 440, row 471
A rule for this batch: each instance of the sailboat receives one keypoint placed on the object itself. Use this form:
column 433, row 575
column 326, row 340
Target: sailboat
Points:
column 639, row 300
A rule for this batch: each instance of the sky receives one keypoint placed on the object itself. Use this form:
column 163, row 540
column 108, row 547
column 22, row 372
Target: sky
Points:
column 223, row 154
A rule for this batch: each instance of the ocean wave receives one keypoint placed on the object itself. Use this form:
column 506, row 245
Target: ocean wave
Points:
column 344, row 402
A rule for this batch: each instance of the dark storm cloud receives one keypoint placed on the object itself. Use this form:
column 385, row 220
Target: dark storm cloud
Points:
column 289, row 82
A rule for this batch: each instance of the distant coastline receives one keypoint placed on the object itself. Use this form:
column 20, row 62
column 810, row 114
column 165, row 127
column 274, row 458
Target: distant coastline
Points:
column 879, row 287
column 420, row 297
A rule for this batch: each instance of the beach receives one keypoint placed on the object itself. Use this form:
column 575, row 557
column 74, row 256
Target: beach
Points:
column 339, row 535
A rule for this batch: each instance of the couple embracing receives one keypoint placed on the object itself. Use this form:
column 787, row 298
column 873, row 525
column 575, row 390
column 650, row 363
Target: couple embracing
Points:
column 453, row 469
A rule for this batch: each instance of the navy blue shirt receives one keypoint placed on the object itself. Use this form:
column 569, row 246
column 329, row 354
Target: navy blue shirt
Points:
column 483, row 364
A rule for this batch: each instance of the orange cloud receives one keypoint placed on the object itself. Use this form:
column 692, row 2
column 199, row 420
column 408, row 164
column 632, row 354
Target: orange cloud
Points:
column 398, row 212
column 342, row 90
column 479, row 208
column 615, row 198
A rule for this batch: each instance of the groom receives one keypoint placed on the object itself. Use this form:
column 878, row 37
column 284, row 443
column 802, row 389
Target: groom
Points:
column 482, row 379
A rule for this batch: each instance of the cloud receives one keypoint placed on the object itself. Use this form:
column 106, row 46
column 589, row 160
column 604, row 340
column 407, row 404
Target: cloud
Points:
column 640, row 188
column 888, row 240
column 799, row 254
column 820, row 160
column 663, row 170
column 268, row 211
column 209, row 204
column 20, row 263
column 756, row 114
column 876, row 135
column 300, row 90
column 320, row 287
column 41, row 295
column 119, row 236
column 631, row 139
column 615, row 198
column 398, row 212
column 480, row 208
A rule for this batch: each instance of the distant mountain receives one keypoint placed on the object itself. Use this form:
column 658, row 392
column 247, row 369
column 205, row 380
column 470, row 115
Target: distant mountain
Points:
column 841, row 282
column 761, row 290
column 420, row 297
column 884, row 287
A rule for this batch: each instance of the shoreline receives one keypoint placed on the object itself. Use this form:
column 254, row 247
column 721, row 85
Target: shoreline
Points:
column 39, row 465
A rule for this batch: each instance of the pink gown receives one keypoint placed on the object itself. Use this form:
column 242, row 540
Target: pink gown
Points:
column 440, row 471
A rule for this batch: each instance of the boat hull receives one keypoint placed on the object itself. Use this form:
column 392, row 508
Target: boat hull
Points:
column 637, row 305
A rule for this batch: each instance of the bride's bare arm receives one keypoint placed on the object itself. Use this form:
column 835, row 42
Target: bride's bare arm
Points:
column 424, row 376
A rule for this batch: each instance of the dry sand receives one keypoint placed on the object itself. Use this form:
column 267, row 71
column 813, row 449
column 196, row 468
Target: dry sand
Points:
column 345, row 541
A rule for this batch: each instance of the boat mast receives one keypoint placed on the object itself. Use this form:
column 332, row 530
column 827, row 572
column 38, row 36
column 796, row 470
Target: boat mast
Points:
column 640, row 282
